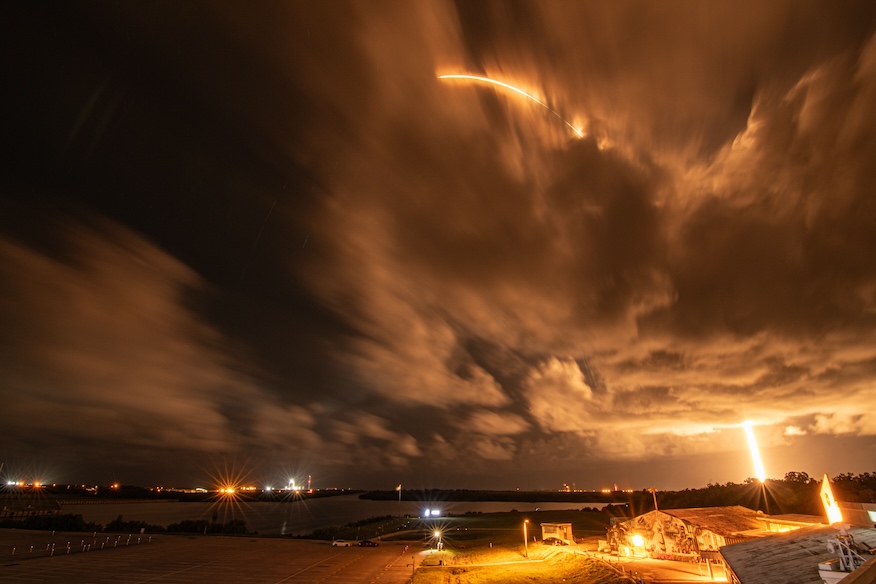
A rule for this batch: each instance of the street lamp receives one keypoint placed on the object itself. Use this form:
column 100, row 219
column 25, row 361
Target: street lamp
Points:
column 438, row 546
column 653, row 491
column 525, row 539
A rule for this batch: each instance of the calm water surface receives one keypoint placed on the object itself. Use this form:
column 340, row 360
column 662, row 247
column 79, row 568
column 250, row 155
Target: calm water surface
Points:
column 296, row 517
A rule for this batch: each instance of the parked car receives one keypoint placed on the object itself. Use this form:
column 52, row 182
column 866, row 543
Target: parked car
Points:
column 368, row 543
column 341, row 543
column 553, row 541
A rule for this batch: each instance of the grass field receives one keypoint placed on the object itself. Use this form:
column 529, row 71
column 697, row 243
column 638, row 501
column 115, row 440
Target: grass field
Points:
column 546, row 565
column 474, row 529
column 489, row 548
column 486, row 548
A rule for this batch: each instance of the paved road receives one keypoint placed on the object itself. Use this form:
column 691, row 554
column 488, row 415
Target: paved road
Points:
column 190, row 560
column 651, row 570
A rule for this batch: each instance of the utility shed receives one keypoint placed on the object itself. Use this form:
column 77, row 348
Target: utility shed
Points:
column 561, row 531
column 788, row 558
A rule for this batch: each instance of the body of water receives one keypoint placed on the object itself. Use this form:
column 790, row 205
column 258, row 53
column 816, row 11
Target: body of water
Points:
column 295, row 517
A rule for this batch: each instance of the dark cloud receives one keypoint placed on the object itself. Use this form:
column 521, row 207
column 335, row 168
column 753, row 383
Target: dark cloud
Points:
column 273, row 235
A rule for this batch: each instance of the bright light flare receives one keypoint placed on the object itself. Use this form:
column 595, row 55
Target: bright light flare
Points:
column 759, row 472
column 478, row 78
column 638, row 541
column 831, row 507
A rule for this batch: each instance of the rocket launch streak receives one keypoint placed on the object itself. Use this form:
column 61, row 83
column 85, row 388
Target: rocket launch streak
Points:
column 480, row 79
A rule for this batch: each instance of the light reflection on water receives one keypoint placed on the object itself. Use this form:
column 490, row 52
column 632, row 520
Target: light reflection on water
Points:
column 296, row 517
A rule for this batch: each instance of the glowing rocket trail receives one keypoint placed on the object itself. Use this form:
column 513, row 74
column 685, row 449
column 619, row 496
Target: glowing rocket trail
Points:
column 578, row 132
column 759, row 472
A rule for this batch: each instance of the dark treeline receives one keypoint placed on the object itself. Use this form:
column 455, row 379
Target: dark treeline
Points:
column 70, row 522
column 128, row 492
column 797, row 492
column 436, row 495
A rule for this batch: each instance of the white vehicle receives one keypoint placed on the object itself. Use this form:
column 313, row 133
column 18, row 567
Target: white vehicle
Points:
column 340, row 543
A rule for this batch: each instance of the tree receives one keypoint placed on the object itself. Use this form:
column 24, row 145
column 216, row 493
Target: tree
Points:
column 797, row 477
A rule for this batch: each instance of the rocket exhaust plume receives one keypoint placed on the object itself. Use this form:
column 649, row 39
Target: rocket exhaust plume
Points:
column 755, row 453
column 479, row 79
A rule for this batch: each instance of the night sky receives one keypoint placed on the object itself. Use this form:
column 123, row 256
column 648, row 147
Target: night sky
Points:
column 266, row 237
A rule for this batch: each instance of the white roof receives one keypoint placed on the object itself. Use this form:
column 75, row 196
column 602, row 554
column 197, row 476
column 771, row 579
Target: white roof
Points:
column 788, row 558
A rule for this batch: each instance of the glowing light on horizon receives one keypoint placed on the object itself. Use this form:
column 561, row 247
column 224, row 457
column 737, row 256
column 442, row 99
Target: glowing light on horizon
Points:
column 831, row 507
column 478, row 78
column 759, row 472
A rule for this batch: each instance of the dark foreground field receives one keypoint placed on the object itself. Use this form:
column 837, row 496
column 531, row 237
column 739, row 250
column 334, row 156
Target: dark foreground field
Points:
column 476, row 548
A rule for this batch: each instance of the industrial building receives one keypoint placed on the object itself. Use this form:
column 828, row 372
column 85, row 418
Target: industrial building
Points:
column 812, row 555
column 756, row 548
column 693, row 534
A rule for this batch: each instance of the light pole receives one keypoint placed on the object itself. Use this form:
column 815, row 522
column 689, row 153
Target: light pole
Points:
column 653, row 491
column 525, row 539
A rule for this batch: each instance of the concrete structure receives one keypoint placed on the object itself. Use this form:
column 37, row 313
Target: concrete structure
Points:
column 699, row 532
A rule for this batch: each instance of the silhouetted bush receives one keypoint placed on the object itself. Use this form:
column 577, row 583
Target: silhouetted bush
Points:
column 204, row 526
column 120, row 525
column 67, row 522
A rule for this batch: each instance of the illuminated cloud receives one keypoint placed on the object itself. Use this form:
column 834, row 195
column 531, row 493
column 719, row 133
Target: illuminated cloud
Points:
column 493, row 449
column 559, row 398
column 106, row 351
column 495, row 424
column 319, row 243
